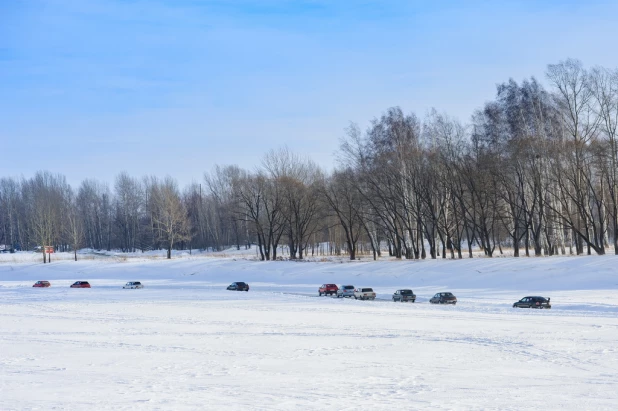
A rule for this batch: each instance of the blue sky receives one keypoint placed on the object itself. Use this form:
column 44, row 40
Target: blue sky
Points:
column 90, row 88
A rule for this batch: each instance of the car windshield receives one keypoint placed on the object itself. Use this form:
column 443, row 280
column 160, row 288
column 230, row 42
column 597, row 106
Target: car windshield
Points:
column 240, row 284
column 367, row 290
column 406, row 291
column 137, row 283
column 348, row 287
column 448, row 294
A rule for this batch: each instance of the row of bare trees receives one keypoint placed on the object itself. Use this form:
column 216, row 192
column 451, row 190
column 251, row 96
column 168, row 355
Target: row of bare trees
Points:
column 45, row 211
column 535, row 170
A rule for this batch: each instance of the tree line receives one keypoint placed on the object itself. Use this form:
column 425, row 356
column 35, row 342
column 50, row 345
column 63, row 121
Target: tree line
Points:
column 535, row 169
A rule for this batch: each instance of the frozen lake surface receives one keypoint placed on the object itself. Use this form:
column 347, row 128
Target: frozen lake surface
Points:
column 184, row 342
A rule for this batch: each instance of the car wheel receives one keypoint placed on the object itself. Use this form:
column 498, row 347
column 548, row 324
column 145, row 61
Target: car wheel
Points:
column 356, row 298
column 413, row 300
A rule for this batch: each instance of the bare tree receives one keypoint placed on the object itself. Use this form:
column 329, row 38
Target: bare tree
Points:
column 74, row 227
column 169, row 214
column 604, row 86
column 45, row 208
column 575, row 99
column 344, row 199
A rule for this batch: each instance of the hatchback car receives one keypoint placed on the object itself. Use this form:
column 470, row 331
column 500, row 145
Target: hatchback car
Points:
column 42, row 284
column 404, row 295
column 133, row 285
column 443, row 298
column 364, row 294
column 238, row 286
column 327, row 289
column 80, row 284
column 533, row 302
column 345, row 291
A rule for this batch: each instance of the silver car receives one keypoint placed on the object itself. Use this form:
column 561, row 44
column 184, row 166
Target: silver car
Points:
column 133, row 285
column 345, row 291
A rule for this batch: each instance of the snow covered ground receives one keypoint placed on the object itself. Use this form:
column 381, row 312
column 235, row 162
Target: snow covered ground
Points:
column 184, row 342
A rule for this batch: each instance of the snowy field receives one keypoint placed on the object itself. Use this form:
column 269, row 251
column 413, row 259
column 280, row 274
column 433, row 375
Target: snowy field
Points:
column 184, row 342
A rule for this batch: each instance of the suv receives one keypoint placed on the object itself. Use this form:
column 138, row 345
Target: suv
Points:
column 404, row 295
column 80, row 284
column 328, row 289
column 133, row 285
column 364, row 294
column 443, row 298
column 238, row 286
column 345, row 291
column 42, row 284
column 533, row 302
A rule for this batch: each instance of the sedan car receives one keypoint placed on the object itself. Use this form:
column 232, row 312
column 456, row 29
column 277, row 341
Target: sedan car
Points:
column 345, row 291
column 327, row 289
column 42, row 284
column 238, row 286
column 80, row 284
column 443, row 298
column 133, row 285
column 364, row 294
column 533, row 302
column 404, row 295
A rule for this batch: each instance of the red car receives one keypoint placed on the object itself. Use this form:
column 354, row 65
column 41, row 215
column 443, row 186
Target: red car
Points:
column 328, row 289
column 80, row 284
column 42, row 284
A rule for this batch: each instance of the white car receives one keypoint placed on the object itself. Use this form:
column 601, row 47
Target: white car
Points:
column 133, row 284
column 365, row 293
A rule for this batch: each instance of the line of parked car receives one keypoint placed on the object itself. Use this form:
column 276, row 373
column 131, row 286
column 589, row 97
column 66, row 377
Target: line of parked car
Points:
column 86, row 284
column 367, row 293
column 407, row 295
column 348, row 291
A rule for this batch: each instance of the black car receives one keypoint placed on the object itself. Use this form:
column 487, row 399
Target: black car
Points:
column 533, row 302
column 443, row 298
column 238, row 286
column 404, row 295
